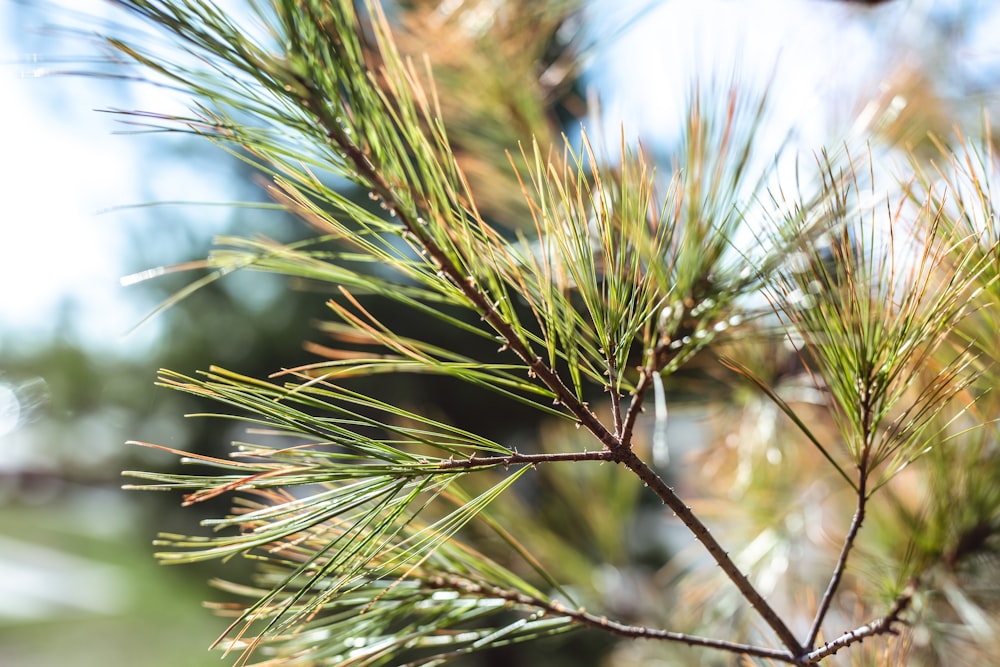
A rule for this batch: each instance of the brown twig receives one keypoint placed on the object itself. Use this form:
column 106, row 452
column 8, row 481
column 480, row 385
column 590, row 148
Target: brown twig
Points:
column 838, row 570
column 657, row 360
column 635, row 407
column 883, row 625
column 586, row 618
column 516, row 459
column 616, row 397
column 879, row 626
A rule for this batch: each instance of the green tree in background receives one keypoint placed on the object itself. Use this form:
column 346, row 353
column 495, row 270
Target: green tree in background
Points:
column 837, row 331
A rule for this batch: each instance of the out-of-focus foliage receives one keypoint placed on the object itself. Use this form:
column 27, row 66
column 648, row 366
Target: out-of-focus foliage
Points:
column 524, row 57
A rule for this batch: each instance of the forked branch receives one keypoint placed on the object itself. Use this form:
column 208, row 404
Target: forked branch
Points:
column 883, row 625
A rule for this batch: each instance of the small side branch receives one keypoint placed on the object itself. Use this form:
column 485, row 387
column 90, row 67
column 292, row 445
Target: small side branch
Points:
column 616, row 397
column 635, row 407
column 515, row 459
column 881, row 626
column 838, row 570
column 657, row 360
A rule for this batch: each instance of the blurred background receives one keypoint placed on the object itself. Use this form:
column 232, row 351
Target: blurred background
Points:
column 86, row 199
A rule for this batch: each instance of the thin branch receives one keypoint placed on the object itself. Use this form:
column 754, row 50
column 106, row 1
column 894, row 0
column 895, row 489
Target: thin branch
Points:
column 838, row 570
column 616, row 397
column 629, row 459
column 584, row 617
column 657, row 361
column 516, row 459
column 879, row 626
column 635, row 407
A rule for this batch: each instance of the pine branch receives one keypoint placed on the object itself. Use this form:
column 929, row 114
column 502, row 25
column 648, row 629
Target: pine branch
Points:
column 408, row 203
column 620, row 448
column 611, row 270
